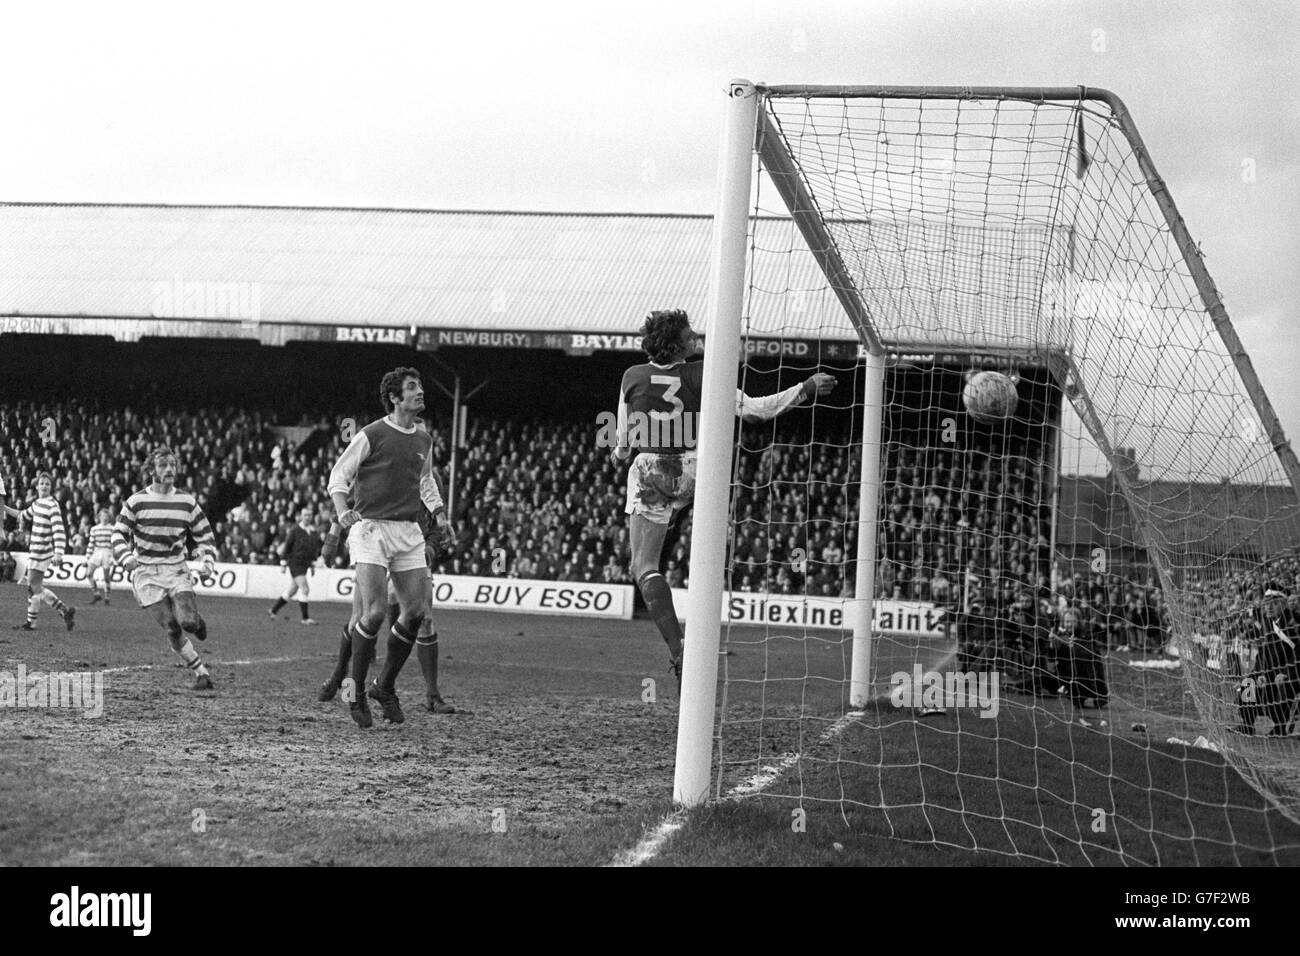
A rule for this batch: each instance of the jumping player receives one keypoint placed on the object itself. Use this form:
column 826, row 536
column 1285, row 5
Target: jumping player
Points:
column 48, row 541
column 388, row 466
column 300, row 550
column 436, row 536
column 149, row 538
column 658, row 402
column 100, row 564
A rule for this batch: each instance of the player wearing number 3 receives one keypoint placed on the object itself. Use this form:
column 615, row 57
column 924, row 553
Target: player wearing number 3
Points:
column 658, row 411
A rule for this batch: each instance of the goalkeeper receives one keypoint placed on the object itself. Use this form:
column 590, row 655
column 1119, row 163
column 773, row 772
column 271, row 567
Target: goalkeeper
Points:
column 436, row 537
column 1273, row 687
column 658, row 405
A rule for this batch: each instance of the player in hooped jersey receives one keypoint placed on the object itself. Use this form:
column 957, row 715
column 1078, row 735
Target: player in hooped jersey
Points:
column 388, row 468
column 45, row 549
column 658, row 412
column 100, row 564
column 150, row 539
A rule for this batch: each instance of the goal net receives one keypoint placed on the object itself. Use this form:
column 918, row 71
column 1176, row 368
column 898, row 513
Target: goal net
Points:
column 1044, row 635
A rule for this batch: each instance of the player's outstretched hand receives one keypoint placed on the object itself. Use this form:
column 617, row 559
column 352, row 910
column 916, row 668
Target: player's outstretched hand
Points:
column 822, row 383
column 446, row 535
column 209, row 565
column 348, row 518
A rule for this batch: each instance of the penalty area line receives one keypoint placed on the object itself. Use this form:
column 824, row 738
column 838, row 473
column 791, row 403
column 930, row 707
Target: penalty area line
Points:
column 654, row 841
column 213, row 663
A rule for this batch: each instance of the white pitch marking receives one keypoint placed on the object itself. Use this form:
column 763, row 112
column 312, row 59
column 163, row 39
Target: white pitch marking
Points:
column 214, row 663
column 650, row 845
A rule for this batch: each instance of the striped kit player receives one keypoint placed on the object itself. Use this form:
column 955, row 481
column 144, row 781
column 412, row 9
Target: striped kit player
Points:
column 99, row 566
column 388, row 468
column 48, row 541
column 150, row 540
column 658, row 412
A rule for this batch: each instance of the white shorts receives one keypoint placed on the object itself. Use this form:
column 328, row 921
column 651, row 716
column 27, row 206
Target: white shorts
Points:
column 39, row 565
column 659, row 486
column 395, row 545
column 153, row 582
column 101, row 558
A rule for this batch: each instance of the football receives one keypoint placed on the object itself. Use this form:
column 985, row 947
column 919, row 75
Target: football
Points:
column 990, row 397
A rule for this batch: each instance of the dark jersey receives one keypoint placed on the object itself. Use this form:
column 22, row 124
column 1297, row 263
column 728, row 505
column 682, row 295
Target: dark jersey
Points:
column 662, row 406
column 304, row 547
column 1279, row 649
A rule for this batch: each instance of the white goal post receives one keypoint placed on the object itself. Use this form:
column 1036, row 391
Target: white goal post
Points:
column 1093, row 353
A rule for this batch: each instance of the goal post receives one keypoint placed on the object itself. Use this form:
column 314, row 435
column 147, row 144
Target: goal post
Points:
column 907, row 238
column 693, row 776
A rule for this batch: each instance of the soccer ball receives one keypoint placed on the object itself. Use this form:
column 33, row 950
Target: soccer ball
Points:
column 990, row 397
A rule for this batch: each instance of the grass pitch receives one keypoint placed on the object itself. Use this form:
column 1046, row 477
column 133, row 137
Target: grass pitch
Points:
column 565, row 758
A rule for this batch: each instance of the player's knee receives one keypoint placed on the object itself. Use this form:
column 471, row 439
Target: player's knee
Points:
column 371, row 621
column 414, row 620
column 645, row 576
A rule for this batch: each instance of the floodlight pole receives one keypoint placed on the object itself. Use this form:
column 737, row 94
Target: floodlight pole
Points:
column 458, row 423
column 716, row 442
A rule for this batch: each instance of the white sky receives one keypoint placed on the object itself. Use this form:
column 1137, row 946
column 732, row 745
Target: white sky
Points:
column 612, row 107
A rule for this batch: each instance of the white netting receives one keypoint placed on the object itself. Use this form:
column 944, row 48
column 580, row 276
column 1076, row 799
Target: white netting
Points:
column 1135, row 499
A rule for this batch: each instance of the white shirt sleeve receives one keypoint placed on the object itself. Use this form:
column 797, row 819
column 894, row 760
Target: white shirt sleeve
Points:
column 429, row 493
column 344, row 472
column 765, row 407
column 621, row 434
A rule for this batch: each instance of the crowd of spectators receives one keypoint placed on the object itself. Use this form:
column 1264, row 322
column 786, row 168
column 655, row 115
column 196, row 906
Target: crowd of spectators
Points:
column 963, row 528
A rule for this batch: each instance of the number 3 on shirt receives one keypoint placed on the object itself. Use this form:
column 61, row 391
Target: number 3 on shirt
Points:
column 670, row 395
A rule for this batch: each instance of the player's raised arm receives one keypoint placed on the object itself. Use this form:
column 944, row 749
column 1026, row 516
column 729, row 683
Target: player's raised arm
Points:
column 342, row 476
column 762, row 408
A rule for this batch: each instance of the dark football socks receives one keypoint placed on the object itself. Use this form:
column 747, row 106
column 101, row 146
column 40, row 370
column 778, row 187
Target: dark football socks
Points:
column 400, row 642
column 659, row 601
